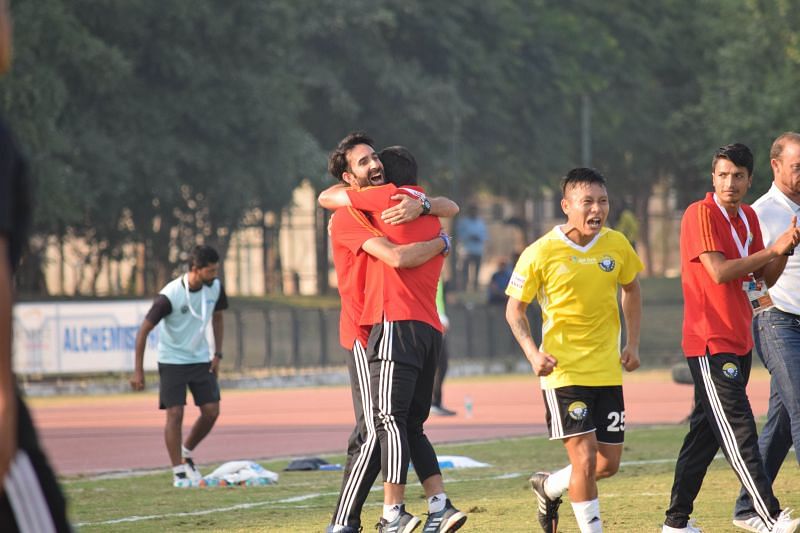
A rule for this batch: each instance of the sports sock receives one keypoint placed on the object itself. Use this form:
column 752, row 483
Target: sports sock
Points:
column 185, row 452
column 437, row 502
column 391, row 511
column 588, row 516
column 557, row 482
column 337, row 528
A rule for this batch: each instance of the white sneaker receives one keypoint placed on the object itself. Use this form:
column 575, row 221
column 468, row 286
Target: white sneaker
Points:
column 754, row 523
column 690, row 528
column 191, row 470
column 180, row 481
column 785, row 523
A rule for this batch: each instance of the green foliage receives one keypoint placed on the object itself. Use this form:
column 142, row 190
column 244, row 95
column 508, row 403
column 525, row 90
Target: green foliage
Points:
column 755, row 80
column 165, row 122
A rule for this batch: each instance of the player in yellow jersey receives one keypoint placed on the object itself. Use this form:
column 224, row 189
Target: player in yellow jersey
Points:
column 574, row 272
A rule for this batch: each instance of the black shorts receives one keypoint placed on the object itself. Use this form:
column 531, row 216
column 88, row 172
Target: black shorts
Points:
column 576, row 409
column 175, row 379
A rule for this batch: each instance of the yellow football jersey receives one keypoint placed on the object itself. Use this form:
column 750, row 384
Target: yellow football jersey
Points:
column 576, row 287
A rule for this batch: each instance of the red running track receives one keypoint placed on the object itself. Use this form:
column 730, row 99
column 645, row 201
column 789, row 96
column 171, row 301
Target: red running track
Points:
column 102, row 434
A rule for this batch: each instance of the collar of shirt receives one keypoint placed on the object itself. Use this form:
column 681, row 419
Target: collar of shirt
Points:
column 776, row 193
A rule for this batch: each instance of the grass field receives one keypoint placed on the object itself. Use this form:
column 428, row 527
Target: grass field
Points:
column 497, row 498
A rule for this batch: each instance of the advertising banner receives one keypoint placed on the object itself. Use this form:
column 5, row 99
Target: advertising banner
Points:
column 80, row 337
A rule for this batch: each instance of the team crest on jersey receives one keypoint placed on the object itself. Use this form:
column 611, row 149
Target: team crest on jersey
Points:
column 607, row 264
column 578, row 410
column 730, row 370
column 185, row 309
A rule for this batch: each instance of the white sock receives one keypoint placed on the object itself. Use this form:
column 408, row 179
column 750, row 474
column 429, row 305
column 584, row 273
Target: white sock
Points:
column 178, row 469
column 337, row 528
column 588, row 516
column 391, row 511
column 558, row 482
column 185, row 452
column 436, row 502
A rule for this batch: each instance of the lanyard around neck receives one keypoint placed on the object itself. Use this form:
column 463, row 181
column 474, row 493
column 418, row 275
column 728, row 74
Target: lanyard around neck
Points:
column 203, row 305
column 744, row 250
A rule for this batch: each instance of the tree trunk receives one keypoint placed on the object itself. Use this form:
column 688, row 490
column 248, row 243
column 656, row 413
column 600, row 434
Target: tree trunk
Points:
column 29, row 278
column 97, row 260
column 61, row 262
column 271, row 255
column 641, row 202
column 221, row 244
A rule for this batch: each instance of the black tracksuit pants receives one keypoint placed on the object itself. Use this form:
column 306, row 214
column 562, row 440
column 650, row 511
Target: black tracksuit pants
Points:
column 403, row 357
column 363, row 452
column 32, row 501
column 721, row 418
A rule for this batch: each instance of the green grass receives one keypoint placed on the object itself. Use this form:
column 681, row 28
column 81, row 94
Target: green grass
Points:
column 497, row 498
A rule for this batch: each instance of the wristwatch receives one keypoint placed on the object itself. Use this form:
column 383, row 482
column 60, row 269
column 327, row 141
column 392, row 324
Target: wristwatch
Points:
column 426, row 205
column 218, row 355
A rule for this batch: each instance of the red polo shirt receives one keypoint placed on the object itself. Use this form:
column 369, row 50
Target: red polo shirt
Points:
column 350, row 229
column 399, row 293
column 716, row 316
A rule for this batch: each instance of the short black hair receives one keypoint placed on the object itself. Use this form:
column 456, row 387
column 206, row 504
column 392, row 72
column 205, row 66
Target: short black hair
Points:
column 737, row 153
column 399, row 165
column 337, row 160
column 203, row 255
column 581, row 175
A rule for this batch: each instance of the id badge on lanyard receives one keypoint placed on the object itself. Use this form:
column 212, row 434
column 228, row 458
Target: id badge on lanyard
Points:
column 756, row 290
column 758, row 295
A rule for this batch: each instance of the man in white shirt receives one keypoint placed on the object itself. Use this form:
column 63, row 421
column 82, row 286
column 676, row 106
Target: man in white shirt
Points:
column 776, row 331
column 184, row 307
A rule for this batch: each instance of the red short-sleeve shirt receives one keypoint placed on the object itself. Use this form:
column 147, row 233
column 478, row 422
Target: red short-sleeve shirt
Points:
column 717, row 317
column 399, row 293
column 350, row 229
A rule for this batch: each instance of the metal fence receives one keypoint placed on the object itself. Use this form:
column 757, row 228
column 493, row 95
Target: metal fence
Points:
column 297, row 338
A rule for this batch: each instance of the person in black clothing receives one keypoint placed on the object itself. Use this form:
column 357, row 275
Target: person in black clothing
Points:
column 30, row 498
column 444, row 357
column 497, row 285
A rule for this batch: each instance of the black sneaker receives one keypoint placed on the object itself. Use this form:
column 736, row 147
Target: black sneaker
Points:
column 445, row 521
column 404, row 523
column 546, row 508
column 438, row 410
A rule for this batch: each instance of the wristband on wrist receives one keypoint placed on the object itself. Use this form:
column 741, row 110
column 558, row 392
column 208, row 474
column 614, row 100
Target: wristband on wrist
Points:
column 446, row 238
column 218, row 355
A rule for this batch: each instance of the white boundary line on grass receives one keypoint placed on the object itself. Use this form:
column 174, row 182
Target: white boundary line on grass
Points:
column 310, row 496
column 237, row 507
